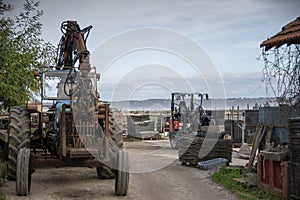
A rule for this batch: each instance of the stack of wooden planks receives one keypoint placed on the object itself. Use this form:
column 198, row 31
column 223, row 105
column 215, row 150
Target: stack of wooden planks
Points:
column 194, row 149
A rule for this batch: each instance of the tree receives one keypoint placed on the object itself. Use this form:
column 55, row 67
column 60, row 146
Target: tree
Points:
column 23, row 51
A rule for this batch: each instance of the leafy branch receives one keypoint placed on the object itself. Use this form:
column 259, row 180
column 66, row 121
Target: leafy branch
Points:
column 22, row 52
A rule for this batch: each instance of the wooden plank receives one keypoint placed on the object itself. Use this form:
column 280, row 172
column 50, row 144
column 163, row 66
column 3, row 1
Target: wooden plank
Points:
column 269, row 135
column 260, row 130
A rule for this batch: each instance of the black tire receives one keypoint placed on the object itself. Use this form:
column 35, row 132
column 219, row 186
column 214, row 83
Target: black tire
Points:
column 115, row 127
column 174, row 142
column 3, row 150
column 23, row 173
column 19, row 137
column 115, row 130
column 105, row 172
column 122, row 174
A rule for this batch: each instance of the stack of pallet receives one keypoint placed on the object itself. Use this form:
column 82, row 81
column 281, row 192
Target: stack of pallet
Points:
column 195, row 149
column 140, row 129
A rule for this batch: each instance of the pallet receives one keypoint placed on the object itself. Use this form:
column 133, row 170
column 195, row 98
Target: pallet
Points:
column 193, row 149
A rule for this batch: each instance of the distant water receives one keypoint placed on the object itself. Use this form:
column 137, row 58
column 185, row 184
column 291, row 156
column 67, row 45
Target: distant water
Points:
column 211, row 104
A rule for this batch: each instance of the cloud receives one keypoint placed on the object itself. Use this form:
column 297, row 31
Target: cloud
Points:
column 236, row 85
column 247, row 44
column 230, row 30
column 244, row 84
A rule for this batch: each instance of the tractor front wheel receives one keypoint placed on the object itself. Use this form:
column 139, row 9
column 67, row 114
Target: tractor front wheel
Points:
column 122, row 173
column 19, row 137
column 23, row 175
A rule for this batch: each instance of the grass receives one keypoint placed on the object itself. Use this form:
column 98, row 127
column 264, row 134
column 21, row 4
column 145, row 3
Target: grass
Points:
column 225, row 177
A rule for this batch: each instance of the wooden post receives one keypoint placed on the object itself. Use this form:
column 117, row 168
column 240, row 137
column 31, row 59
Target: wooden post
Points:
column 260, row 131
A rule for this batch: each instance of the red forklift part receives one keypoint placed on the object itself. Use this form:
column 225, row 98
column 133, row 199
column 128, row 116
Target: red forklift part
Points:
column 176, row 125
column 171, row 125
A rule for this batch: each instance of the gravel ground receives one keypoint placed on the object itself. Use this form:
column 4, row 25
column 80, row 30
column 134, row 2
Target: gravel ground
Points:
column 155, row 174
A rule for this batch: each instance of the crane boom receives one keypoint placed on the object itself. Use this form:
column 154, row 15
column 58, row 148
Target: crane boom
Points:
column 72, row 45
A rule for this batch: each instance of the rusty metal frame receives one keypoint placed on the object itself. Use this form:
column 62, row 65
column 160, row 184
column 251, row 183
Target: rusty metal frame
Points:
column 63, row 136
column 42, row 162
column 107, row 134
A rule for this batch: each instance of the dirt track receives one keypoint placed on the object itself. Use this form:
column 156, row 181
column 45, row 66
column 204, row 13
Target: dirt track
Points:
column 170, row 180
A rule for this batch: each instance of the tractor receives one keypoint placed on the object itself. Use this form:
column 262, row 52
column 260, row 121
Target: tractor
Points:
column 70, row 126
column 187, row 115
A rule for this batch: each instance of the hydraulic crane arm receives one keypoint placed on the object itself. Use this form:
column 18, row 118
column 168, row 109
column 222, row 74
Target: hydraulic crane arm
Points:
column 72, row 45
column 72, row 48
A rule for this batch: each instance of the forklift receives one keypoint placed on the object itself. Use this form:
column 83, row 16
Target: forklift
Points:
column 187, row 115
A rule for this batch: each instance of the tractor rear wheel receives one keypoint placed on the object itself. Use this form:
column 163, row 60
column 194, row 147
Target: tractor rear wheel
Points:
column 23, row 175
column 122, row 174
column 115, row 127
column 19, row 137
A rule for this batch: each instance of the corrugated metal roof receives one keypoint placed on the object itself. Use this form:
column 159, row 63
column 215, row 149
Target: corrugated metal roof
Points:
column 290, row 34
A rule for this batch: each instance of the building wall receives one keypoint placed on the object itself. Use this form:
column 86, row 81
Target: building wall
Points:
column 278, row 117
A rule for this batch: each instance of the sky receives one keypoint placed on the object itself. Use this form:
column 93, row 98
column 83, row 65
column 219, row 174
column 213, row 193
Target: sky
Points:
column 148, row 49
